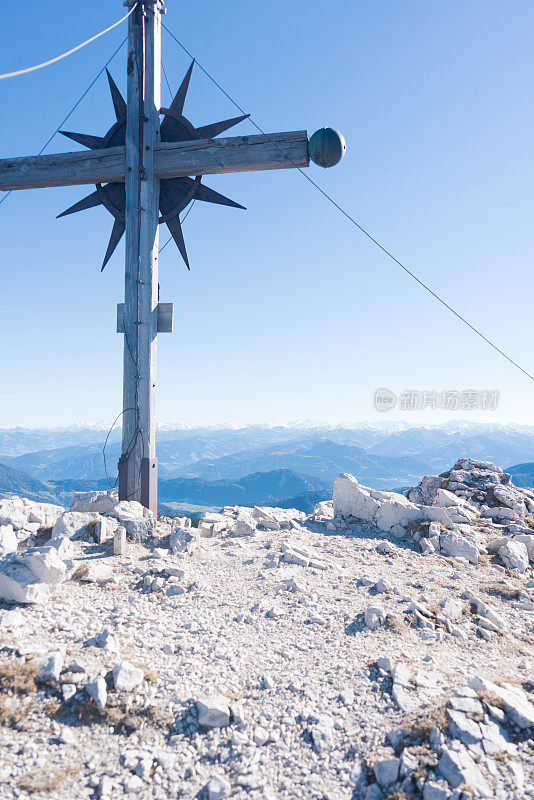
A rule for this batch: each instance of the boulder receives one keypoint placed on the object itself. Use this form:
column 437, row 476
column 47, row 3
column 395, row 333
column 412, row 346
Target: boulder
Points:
column 51, row 665
column 516, row 704
column 462, row 542
column 183, row 540
column 213, row 711
column 499, row 513
column 425, row 492
column 97, row 690
column 45, row 514
column 127, row 677
column 8, row 540
column 129, row 509
column 44, row 563
column 97, row 572
column 73, row 523
column 14, row 512
column 458, row 767
column 96, row 502
column 528, row 540
column 514, row 555
column 389, row 511
column 138, row 520
column 19, row 585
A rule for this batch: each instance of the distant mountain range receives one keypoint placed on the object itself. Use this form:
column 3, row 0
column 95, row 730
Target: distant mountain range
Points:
column 522, row 474
column 258, row 463
column 279, row 487
column 14, row 482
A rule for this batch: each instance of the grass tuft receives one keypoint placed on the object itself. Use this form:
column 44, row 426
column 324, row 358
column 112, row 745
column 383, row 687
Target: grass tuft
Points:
column 42, row 781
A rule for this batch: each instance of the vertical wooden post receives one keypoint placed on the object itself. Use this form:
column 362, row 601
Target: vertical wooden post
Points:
column 138, row 466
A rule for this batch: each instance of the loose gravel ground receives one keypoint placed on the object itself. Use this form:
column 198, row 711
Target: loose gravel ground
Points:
column 297, row 665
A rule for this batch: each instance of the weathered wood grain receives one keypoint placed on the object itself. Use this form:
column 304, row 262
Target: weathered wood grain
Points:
column 138, row 457
column 171, row 160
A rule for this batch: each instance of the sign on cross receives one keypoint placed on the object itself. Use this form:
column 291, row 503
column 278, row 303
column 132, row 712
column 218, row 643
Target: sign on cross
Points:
column 146, row 173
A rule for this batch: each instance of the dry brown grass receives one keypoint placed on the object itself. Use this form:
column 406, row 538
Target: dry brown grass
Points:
column 43, row 781
column 80, row 572
column 500, row 590
column 150, row 675
column 18, row 678
column 395, row 624
column 422, row 724
column 490, row 699
column 10, row 716
column 16, row 681
column 123, row 719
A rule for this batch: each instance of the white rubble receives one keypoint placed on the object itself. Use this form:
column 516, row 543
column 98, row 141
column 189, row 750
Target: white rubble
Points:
column 283, row 655
column 19, row 512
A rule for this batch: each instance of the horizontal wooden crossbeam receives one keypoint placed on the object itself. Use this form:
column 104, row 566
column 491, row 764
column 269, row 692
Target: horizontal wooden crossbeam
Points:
column 171, row 160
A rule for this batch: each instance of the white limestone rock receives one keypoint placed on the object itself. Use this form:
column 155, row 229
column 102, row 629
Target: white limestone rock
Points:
column 217, row 788
column 528, row 540
column 386, row 772
column 19, row 585
column 425, row 492
column 12, row 619
column 323, row 734
column 517, row 706
column 388, row 511
column 51, row 665
column 97, row 690
column 374, row 617
column 458, row 767
column 184, row 540
column 499, row 513
column 98, row 572
column 213, row 711
column 63, row 547
column 129, row 509
column 510, row 497
column 460, row 543
column 73, row 523
column 95, row 502
column 14, row 512
column 243, row 527
column 514, row 555
column 8, row 540
column 127, row 677
column 44, row 514
column 44, row 563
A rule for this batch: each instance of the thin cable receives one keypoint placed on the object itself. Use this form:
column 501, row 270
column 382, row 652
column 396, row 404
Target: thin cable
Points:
column 181, row 223
column 166, row 80
column 74, row 107
column 105, row 445
column 68, row 53
column 357, row 224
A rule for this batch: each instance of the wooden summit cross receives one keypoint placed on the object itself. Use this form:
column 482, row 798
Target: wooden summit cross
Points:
column 142, row 169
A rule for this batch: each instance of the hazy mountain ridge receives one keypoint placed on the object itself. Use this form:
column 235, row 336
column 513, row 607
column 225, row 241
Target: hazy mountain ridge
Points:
column 522, row 474
column 215, row 465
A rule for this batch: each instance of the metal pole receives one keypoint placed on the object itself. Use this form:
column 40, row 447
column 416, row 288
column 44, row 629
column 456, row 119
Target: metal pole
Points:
column 138, row 466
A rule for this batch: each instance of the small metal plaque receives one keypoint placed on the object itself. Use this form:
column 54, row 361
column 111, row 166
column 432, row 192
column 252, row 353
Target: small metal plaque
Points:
column 165, row 317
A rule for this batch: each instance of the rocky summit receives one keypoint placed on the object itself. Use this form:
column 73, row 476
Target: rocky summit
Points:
column 381, row 647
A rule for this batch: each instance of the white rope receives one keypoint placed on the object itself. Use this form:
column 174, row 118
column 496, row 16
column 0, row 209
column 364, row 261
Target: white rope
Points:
column 68, row 53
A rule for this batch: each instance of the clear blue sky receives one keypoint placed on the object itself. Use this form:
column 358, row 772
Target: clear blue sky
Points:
column 288, row 311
